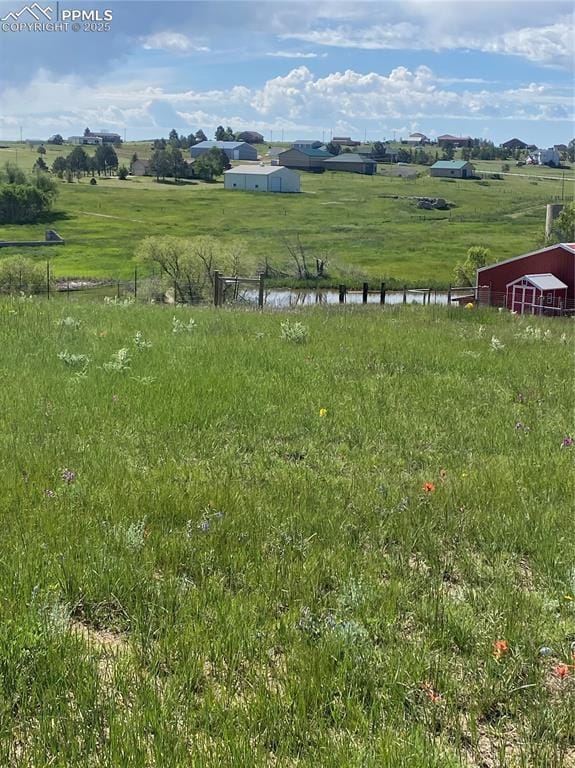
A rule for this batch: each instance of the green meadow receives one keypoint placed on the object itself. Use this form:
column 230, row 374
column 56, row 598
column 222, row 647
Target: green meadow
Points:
column 366, row 227
column 337, row 537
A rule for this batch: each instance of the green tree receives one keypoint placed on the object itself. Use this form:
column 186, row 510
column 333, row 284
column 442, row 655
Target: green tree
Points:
column 12, row 174
column 20, row 274
column 41, row 150
column 200, row 136
column 333, row 149
column 77, row 161
column 122, row 173
column 160, row 164
column 56, row 139
column 177, row 163
column 40, row 165
column 210, row 164
column 87, row 132
column 465, row 272
column 564, row 225
column 571, row 151
column 106, row 159
column 448, row 151
column 220, row 134
column 173, row 138
column 59, row 166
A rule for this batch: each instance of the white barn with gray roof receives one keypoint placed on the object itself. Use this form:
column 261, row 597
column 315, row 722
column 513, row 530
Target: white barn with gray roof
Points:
column 262, row 178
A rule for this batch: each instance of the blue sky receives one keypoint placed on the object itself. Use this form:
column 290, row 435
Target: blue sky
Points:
column 295, row 69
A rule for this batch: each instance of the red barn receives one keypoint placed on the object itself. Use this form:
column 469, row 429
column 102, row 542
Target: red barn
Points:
column 546, row 276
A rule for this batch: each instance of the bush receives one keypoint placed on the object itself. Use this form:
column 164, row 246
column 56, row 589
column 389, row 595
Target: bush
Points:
column 122, row 173
column 18, row 274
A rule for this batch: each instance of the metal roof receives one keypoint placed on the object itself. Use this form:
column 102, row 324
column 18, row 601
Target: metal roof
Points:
column 260, row 170
column 450, row 164
column 309, row 151
column 569, row 247
column 219, row 144
column 545, row 282
column 350, row 157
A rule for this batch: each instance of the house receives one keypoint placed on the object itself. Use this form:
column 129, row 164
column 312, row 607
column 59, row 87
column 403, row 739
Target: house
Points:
column 84, row 140
column 351, row 162
column 306, row 159
column 549, row 157
column 523, row 282
column 235, row 150
column 250, row 137
column 140, row 168
column 514, row 144
column 345, row 141
column 389, row 155
column 455, row 141
column 107, row 138
column 305, row 143
column 452, row 169
column 262, row 178
column 417, row 138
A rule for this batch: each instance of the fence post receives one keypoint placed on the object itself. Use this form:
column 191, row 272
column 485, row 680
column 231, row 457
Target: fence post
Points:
column 216, row 288
column 135, row 283
column 405, row 294
column 175, row 292
column 341, row 293
column 365, row 292
column 118, row 290
column 449, row 295
column 261, row 291
column 382, row 294
column 429, row 297
column 48, row 279
column 68, row 290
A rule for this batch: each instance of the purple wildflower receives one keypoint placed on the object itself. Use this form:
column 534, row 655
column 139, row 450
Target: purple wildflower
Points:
column 567, row 442
column 68, row 476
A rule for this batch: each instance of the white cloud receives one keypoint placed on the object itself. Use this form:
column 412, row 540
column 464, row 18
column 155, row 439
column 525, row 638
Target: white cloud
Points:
column 296, row 55
column 175, row 42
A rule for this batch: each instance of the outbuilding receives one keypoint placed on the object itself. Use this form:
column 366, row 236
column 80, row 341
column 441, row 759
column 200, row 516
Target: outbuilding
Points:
column 452, row 169
column 351, row 162
column 140, row 168
column 262, row 178
column 306, row 159
column 235, row 150
column 537, row 295
column 547, row 273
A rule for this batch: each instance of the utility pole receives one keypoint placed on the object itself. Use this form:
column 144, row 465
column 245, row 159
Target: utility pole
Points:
column 20, row 134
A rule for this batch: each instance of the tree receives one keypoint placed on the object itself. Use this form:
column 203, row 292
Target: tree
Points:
column 56, row 139
column 12, row 174
column 571, row 151
column 105, row 158
column 230, row 135
column 211, row 163
column 41, row 150
column 134, row 157
column 378, row 149
column 122, row 173
column 191, row 140
column 20, row 274
column 333, row 149
column 476, row 257
column 40, row 165
column 160, row 164
column 448, row 151
column 59, row 166
column 564, row 225
column 200, row 136
column 220, row 134
column 177, row 163
column 77, row 161
column 173, row 138
column 159, row 144
column 87, row 132
column 23, row 200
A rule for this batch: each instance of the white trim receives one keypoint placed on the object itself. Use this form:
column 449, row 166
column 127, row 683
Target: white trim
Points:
column 531, row 280
column 525, row 255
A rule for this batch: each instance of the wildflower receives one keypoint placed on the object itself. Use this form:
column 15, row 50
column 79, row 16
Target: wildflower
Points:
column 561, row 671
column 519, row 425
column 323, row 412
column 499, row 648
column 115, row 398
column 49, row 493
column 469, row 305
column 567, row 442
column 428, row 487
column 496, row 344
column 68, row 476
column 204, row 525
column 430, row 692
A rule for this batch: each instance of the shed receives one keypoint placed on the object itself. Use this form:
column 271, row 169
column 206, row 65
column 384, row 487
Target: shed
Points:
column 140, row 168
column 351, row 162
column 235, row 150
column 452, row 169
column 307, row 159
column 261, row 178
column 494, row 280
column 536, row 294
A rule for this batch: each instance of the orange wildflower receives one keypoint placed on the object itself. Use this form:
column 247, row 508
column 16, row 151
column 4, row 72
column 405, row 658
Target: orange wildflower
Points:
column 499, row 648
column 561, row 671
column 428, row 487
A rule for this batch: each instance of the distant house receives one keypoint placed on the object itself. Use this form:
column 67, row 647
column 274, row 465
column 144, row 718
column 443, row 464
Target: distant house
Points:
column 389, row 155
column 417, row 138
column 545, row 157
column 514, row 144
column 107, row 138
column 452, row 169
column 261, row 178
column 305, row 143
column 250, row 137
column 345, row 141
column 82, row 140
column 235, row 150
column 351, row 162
column 140, row 168
column 455, row 141
column 306, row 159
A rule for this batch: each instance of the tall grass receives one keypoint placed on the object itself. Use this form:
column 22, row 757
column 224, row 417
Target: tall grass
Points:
column 219, row 548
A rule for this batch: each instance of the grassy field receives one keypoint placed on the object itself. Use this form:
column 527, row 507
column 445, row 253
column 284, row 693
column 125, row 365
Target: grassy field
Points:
column 364, row 226
column 344, row 541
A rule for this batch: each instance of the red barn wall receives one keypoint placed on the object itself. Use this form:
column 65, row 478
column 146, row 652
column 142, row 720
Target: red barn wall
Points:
column 558, row 261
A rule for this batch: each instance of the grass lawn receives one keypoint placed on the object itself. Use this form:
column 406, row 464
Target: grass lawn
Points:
column 222, row 547
column 364, row 226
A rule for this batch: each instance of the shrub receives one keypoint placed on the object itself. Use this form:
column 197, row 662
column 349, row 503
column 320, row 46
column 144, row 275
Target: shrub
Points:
column 20, row 274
